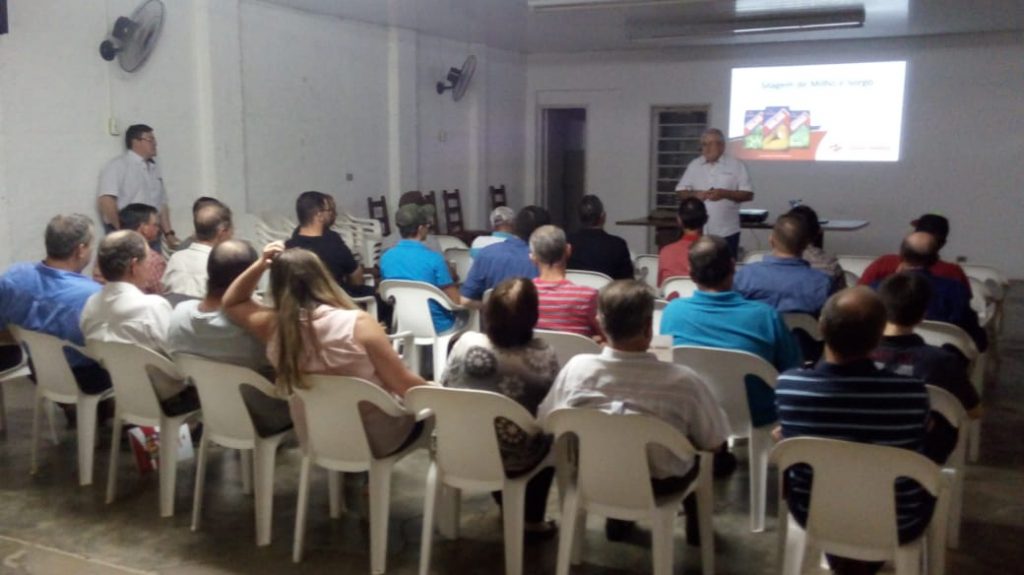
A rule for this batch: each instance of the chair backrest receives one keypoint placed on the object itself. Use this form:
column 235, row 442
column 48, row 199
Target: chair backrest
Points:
column 379, row 211
column 272, row 227
column 754, row 256
column 947, row 405
column 612, row 454
column 567, row 345
column 53, row 374
column 225, row 416
column 467, row 445
column 855, row 264
column 452, row 211
column 986, row 273
column 852, row 504
column 498, row 196
column 646, row 266
column 129, row 365
column 940, row 334
column 596, row 280
column 659, row 308
column 724, row 371
column 449, row 242
column 804, row 322
column 678, row 286
column 461, row 259
column 981, row 295
column 363, row 236
column 411, row 308
column 334, row 433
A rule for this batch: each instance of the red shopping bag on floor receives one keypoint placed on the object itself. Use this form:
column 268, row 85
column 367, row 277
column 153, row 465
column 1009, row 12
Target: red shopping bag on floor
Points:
column 145, row 442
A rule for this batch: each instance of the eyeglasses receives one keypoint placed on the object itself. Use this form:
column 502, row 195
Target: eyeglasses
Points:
column 150, row 139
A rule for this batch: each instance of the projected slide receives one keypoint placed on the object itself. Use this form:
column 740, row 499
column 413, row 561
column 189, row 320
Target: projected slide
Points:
column 839, row 113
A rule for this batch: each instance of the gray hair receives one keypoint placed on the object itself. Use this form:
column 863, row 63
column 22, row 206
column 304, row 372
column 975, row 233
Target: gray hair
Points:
column 502, row 215
column 547, row 244
column 714, row 132
column 117, row 251
column 65, row 233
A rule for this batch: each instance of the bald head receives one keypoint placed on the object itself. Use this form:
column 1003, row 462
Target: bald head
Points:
column 118, row 253
column 711, row 263
column 790, row 236
column 212, row 223
column 227, row 261
column 920, row 250
column 852, row 322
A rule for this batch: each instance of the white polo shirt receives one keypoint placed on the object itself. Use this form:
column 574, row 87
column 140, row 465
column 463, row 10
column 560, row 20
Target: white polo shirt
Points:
column 133, row 180
column 186, row 270
column 727, row 173
column 120, row 312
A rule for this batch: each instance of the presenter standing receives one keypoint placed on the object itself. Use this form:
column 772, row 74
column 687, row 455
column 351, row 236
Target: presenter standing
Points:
column 722, row 183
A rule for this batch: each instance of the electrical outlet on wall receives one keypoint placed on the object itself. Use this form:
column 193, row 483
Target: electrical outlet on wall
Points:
column 349, row 177
column 112, row 126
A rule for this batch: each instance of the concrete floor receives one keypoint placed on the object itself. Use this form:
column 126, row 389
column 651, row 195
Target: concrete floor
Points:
column 49, row 525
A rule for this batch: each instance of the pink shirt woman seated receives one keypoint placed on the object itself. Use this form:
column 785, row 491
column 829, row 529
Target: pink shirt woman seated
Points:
column 313, row 327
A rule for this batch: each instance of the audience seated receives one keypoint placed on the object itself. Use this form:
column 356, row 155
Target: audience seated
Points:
column 186, row 270
column 48, row 296
column 846, row 397
column 885, row 266
column 674, row 258
column 120, row 312
column 717, row 316
column 626, row 378
column 950, row 300
column 431, row 241
column 313, row 327
column 411, row 260
column 144, row 219
column 317, row 214
column 564, row 306
column 509, row 360
column 196, row 205
column 814, row 254
column 508, row 259
column 783, row 279
column 503, row 222
column 902, row 351
column 595, row 249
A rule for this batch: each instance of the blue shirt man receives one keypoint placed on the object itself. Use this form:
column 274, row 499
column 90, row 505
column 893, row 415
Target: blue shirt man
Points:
column 412, row 260
column 508, row 259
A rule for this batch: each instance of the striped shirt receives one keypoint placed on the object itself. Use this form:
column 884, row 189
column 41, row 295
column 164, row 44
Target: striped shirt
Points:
column 565, row 306
column 856, row 402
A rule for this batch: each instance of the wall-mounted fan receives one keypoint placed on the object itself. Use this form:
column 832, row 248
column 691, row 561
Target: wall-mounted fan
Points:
column 458, row 79
column 133, row 38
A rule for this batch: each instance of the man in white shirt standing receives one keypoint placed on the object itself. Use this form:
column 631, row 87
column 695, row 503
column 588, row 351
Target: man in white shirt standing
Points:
column 134, row 178
column 722, row 183
column 186, row 270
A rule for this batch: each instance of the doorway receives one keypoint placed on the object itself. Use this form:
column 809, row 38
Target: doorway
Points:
column 563, row 167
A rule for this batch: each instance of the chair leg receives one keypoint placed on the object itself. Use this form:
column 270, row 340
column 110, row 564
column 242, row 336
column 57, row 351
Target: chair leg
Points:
column 37, row 410
column 264, row 459
column 567, row 531
column 3, row 409
column 512, row 508
column 335, row 493
column 796, row 547
column 115, row 450
column 197, row 499
column 448, row 519
column 956, row 507
column 661, row 541
column 705, row 510
column 430, row 497
column 760, row 444
column 380, row 500
column 908, row 560
column 51, row 415
column 86, row 423
column 974, row 440
column 300, row 511
column 246, row 461
column 168, row 464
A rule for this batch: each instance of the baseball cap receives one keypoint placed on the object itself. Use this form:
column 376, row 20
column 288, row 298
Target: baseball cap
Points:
column 934, row 224
column 414, row 215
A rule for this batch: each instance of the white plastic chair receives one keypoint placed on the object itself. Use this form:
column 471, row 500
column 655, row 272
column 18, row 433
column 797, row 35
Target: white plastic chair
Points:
column 855, row 264
column 449, row 242
column 754, row 256
column 412, row 313
column 10, row 374
column 138, row 404
column 646, row 266
column 682, row 286
column 335, row 439
column 462, row 261
column 982, row 301
column 596, row 280
column 947, row 405
column 804, row 322
column 724, row 370
column 227, row 422
column 939, row 333
column 467, row 456
column 567, row 345
column 613, row 480
column 659, row 308
column 852, row 511
column 56, row 383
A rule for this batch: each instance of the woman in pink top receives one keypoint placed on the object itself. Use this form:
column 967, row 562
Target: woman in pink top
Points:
column 313, row 327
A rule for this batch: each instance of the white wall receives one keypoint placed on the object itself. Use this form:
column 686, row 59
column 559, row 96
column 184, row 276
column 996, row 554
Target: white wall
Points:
column 962, row 143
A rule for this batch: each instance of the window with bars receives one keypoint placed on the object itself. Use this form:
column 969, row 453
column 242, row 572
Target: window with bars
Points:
column 675, row 134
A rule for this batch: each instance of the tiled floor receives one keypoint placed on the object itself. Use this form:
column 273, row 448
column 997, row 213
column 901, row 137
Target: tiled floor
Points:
column 49, row 525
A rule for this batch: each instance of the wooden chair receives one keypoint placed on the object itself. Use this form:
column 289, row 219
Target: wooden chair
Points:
column 452, row 211
column 379, row 211
column 498, row 196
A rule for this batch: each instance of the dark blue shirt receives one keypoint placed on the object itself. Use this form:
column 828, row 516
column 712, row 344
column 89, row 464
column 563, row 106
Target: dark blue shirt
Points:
column 786, row 284
column 38, row 297
column 495, row 264
column 412, row 260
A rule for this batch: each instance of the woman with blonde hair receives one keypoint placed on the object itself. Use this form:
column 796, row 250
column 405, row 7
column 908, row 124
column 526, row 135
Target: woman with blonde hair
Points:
column 313, row 327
